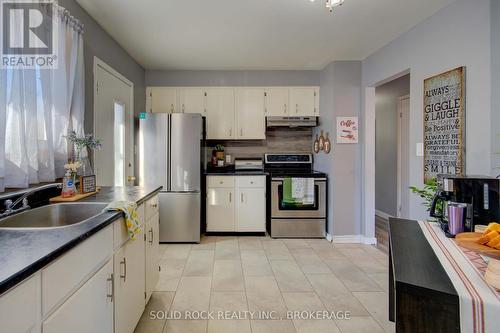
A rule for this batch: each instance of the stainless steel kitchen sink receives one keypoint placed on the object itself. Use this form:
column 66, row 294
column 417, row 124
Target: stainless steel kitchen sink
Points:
column 53, row 216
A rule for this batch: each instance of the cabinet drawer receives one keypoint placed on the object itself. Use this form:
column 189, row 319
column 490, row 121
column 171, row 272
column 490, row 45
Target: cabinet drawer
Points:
column 251, row 181
column 120, row 233
column 220, row 181
column 62, row 277
column 20, row 307
column 151, row 207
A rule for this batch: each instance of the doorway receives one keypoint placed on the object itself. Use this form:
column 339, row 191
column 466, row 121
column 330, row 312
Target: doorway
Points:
column 391, row 154
column 114, row 126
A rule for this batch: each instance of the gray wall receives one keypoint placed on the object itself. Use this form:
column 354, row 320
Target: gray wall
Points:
column 340, row 95
column 495, row 86
column 231, row 78
column 458, row 35
column 99, row 43
column 386, row 145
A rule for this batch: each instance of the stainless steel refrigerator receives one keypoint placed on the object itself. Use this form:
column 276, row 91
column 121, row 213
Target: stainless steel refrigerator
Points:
column 170, row 156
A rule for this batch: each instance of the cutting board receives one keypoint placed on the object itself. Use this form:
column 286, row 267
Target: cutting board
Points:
column 468, row 240
column 77, row 197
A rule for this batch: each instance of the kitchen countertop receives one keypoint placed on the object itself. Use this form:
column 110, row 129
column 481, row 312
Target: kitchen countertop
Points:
column 24, row 252
column 230, row 171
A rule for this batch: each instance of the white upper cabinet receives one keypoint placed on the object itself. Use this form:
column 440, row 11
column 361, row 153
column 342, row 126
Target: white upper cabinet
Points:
column 303, row 101
column 277, row 102
column 220, row 113
column 162, row 100
column 250, row 117
column 192, row 100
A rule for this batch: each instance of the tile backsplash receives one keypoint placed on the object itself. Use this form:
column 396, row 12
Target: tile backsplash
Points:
column 278, row 140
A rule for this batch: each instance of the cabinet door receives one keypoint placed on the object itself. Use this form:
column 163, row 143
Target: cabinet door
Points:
column 251, row 209
column 192, row 100
column 20, row 307
column 277, row 102
column 250, row 118
column 220, row 209
column 129, row 276
column 220, row 113
column 152, row 254
column 163, row 99
column 303, row 101
column 89, row 309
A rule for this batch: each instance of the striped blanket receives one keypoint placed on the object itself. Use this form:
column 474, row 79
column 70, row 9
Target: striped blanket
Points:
column 479, row 302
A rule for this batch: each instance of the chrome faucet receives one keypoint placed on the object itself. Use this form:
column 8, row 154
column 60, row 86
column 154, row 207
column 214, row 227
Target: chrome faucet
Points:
column 10, row 206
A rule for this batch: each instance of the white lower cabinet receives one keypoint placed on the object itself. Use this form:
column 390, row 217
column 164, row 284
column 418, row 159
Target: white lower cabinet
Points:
column 220, row 209
column 89, row 309
column 20, row 307
column 100, row 286
column 251, row 210
column 152, row 254
column 237, row 204
column 129, row 279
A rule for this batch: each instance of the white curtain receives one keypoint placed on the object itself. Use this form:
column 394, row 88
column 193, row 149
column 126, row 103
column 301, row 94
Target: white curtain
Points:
column 37, row 109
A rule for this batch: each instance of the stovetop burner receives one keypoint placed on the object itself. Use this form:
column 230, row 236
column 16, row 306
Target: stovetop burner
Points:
column 291, row 165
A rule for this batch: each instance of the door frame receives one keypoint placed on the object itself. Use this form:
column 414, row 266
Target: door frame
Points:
column 399, row 179
column 130, row 114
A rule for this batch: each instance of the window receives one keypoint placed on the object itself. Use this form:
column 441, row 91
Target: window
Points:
column 119, row 143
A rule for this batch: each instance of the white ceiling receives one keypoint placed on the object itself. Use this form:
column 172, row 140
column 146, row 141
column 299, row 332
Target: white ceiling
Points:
column 254, row 34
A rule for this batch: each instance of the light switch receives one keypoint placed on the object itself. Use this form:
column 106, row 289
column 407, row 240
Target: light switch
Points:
column 420, row 149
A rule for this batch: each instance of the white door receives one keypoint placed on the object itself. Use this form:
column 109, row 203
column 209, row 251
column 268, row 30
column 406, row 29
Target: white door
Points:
column 129, row 285
column 251, row 210
column 114, row 125
column 89, row 309
column 220, row 113
column 220, row 209
column 163, row 99
column 250, row 118
column 303, row 101
column 277, row 102
column 403, row 177
column 152, row 254
column 192, row 100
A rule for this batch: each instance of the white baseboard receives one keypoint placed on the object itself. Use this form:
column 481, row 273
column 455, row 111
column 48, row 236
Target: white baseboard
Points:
column 370, row 240
column 382, row 214
column 354, row 239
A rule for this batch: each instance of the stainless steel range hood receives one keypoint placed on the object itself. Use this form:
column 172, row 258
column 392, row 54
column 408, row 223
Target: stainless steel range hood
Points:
column 291, row 121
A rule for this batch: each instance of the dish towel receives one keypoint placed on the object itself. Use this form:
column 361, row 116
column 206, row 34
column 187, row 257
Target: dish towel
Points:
column 129, row 208
column 479, row 302
column 308, row 191
column 298, row 188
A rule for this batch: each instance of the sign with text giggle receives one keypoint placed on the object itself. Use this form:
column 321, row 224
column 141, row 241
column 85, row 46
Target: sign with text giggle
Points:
column 444, row 124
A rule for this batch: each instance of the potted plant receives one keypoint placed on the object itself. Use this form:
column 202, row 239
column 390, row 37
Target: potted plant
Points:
column 219, row 152
column 80, row 143
column 427, row 194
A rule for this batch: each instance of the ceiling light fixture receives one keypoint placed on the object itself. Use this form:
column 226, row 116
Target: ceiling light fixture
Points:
column 330, row 4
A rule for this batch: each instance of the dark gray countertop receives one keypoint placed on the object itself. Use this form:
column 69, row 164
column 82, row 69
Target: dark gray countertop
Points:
column 230, row 171
column 24, row 252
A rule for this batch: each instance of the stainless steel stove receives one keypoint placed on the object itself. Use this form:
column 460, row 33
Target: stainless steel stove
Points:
column 295, row 219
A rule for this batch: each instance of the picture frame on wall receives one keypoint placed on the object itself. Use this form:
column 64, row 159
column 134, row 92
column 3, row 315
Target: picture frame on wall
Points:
column 347, row 130
column 444, row 124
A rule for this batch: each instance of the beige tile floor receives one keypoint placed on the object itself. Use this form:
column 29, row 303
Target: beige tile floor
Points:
column 264, row 274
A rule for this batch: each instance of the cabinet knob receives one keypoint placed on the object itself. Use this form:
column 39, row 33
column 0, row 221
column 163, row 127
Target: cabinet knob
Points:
column 111, row 294
column 172, row 107
column 183, row 108
column 124, row 275
column 241, row 131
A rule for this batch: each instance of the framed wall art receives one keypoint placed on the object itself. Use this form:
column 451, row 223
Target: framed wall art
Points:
column 444, row 124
